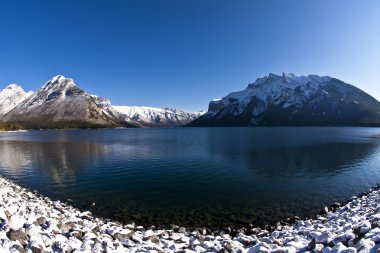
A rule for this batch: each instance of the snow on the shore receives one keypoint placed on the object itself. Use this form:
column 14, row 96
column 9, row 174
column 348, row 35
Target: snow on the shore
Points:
column 33, row 223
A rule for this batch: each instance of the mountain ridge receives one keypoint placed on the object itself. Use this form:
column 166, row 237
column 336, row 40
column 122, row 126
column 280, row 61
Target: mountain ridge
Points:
column 60, row 103
column 290, row 100
column 146, row 116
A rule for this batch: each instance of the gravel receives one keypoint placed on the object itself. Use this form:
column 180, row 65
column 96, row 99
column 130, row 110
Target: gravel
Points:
column 30, row 222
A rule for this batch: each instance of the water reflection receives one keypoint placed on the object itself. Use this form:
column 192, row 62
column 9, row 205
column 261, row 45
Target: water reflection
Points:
column 14, row 158
column 59, row 161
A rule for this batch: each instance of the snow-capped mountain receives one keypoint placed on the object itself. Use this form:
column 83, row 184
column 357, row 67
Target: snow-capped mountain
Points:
column 60, row 103
column 11, row 96
column 155, row 117
column 288, row 100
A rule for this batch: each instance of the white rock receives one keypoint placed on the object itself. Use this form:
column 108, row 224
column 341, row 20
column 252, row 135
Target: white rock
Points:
column 364, row 245
column 47, row 240
column 12, row 209
column 327, row 250
column 74, row 243
column 16, row 222
column 314, row 234
column 60, row 241
column 324, row 237
column 365, row 227
column 258, row 248
column 148, row 234
column 289, row 249
column 199, row 249
column 2, row 214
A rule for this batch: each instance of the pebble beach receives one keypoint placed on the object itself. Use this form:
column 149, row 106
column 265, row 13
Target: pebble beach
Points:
column 30, row 222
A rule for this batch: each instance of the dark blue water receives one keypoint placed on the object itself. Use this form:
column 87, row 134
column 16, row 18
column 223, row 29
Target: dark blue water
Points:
column 212, row 177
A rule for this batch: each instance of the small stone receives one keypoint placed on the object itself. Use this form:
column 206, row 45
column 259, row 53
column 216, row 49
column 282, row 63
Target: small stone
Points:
column 47, row 240
column 339, row 248
column 228, row 246
column 41, row 221
column 375, row 224
column 311, row 245
column 148, row 234
column 314, row 234
column 19, row 248
column 364, row 227
column 174, row 227
column 364, row 245
column 324, row 211
column 140, row 228
column 130, row 226
column 36, row 250
column 18, row 235
column 335, row 205
column 258, row 248
column 16, row 222
column 324, row 238
column 349, row 250
column 154, row 239
column 181, row 230
column 127, row 243
column 202, row 231
column 77, row 234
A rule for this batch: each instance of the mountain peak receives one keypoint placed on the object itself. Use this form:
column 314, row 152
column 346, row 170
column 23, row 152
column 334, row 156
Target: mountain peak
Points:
column 60, row 103
column 57, row 78
column 59, row 82
column 286, row 75
column 11, row 96
column 13, row 86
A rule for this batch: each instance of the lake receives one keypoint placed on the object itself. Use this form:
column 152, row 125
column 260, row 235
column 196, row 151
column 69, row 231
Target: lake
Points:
column 213, row 177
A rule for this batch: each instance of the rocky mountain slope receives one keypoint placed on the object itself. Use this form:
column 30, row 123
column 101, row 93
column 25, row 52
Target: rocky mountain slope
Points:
column 290, row 100
column 155, row 117
column 61, row 104
column 11, row 96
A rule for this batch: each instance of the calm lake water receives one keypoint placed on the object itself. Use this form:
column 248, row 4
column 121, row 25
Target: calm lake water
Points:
column 213, row 177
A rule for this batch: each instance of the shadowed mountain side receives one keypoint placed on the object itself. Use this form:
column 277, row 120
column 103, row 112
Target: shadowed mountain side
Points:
column 290, row 100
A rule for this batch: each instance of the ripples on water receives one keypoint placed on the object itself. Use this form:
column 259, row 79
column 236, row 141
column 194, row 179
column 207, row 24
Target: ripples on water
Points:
column 195, row 176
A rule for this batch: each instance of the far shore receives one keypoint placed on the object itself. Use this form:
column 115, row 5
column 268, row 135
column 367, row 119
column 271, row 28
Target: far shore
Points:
column 14, row 131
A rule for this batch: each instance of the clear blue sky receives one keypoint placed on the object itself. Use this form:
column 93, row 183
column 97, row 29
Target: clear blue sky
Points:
column 183, row 53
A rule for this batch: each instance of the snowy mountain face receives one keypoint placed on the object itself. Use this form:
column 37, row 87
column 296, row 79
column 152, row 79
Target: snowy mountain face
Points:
column 11, row 96
column 60, row 103
column 155, row 117
column 288, row 100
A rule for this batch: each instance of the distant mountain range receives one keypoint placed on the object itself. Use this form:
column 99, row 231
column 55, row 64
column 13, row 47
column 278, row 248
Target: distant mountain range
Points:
column 290, row 100
column 273, row 100
column 61, row 104
column 155, row 117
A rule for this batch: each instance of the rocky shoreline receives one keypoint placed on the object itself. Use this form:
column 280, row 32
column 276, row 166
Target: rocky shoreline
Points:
column 30, row 222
